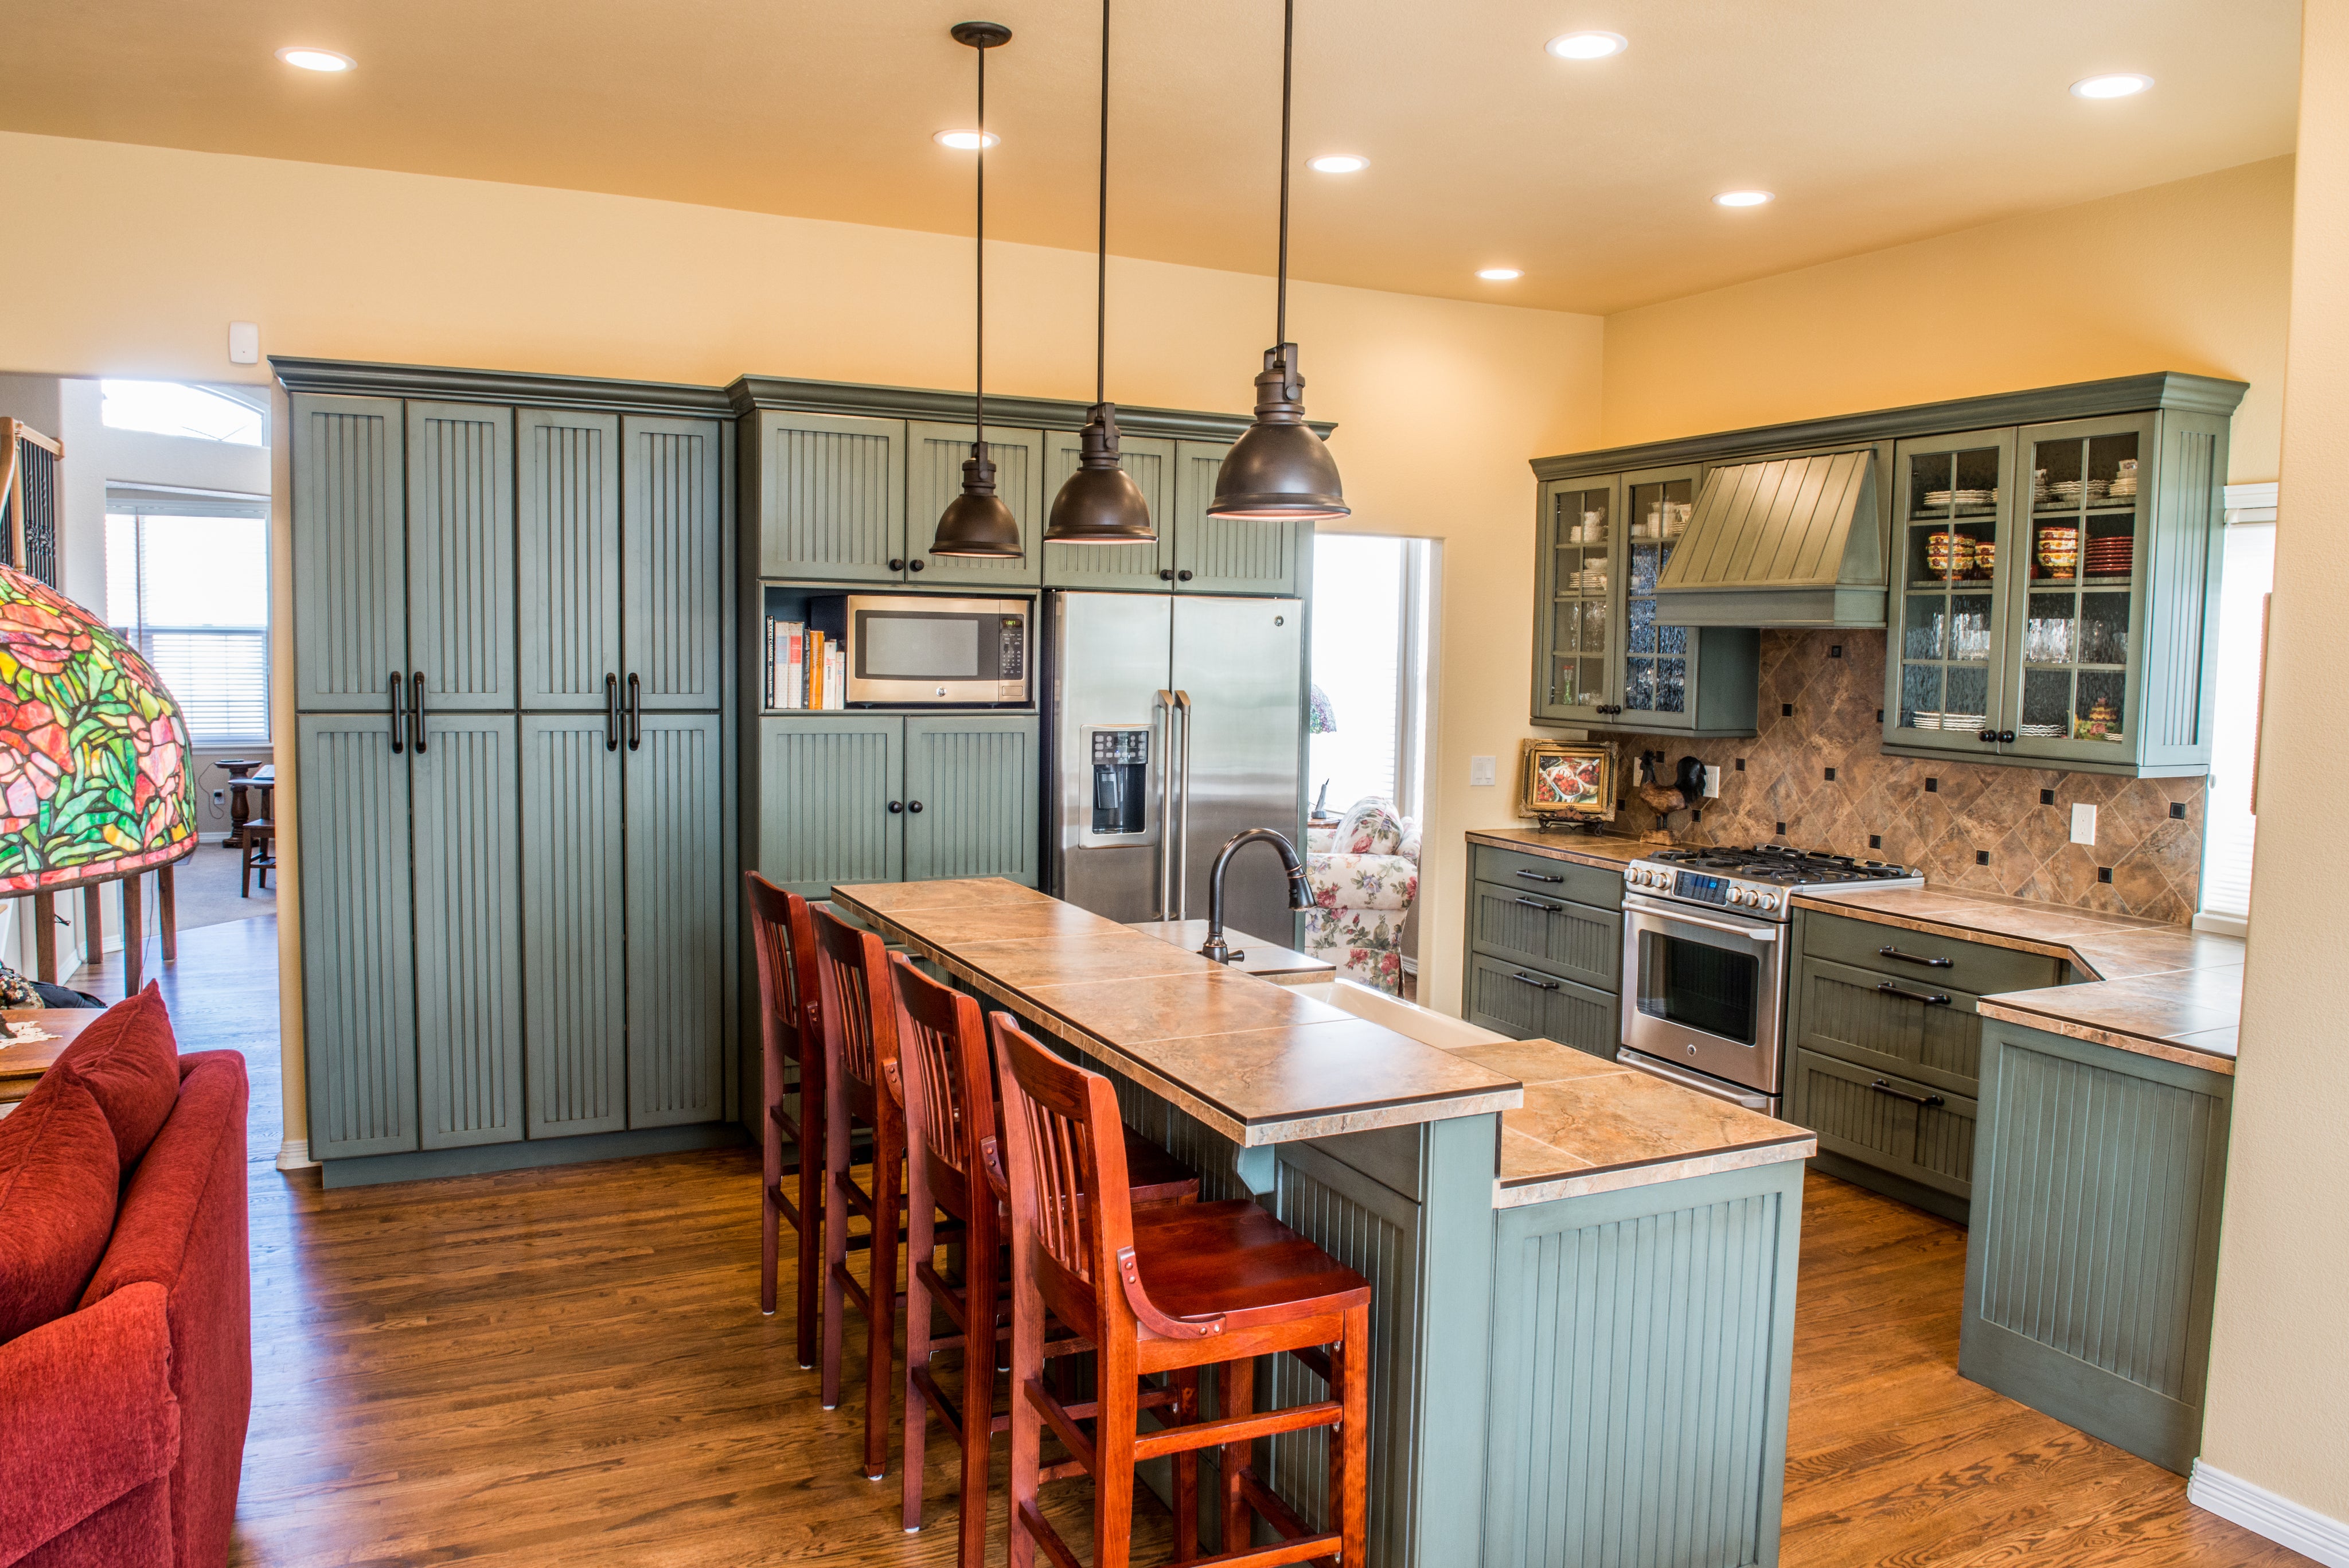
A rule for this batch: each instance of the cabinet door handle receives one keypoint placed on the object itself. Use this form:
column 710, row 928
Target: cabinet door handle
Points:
column 1915, row 958
column 1537, row 981
column 915, row 807
column 1987, row 737
column 896, row 563
column 1542, row 904
column 1183, row 577
column 2006, row 737
column 399, row 713
column 895, row 806
column 416, row 711
column 611, row 712
column 915, row 565
column 1166, row 574
column 635, row 713
column 1539, row 876
column 1935, row 1000
column 1927, row 1101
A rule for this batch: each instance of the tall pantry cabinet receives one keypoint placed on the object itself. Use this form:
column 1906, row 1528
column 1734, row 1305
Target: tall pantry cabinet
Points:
column 513, row 766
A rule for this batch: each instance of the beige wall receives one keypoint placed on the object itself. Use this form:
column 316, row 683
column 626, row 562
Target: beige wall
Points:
column 2279, row 1357
column 1439, row 403
column 2191, row 275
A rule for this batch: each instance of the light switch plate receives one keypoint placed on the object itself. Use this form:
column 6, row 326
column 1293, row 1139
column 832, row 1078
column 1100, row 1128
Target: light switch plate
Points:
column 244, row 343
column 1481, row 769
column 1711, row 782
column 2084, row 823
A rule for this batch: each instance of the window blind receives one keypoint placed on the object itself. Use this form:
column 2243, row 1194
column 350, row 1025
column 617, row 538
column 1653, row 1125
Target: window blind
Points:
column 2249, row 576
column 191, row 594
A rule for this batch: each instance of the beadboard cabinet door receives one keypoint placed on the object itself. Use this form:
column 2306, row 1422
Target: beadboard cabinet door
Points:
column 466, row 859
column 568, row 488
column 674, row 566
column 574, row 943
column 1229, row 555
column 935, row 454
column 677, row 890
column 1131, row 566
column 460, row 554
column 826, row 783
column 832, row 497
column 970, row 797
column 358, row 958
column 350, row 553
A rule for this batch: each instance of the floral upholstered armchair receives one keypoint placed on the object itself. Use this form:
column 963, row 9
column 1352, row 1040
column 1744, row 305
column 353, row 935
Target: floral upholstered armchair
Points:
column 1365, row 874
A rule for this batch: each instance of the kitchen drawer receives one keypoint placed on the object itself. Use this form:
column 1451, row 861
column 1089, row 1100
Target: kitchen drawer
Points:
column 1526, row 1004
column 1876, row 1118
column 1518, row 925
column 1556, row 878
column 1909, row 1024
column 1975, row 967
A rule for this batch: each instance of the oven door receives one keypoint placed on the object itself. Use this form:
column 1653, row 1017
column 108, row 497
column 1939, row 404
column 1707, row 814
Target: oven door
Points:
column 1704, row 991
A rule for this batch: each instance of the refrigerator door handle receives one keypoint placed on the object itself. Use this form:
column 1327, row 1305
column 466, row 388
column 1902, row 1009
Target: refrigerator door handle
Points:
column 1165, row 715
column 1183, row 855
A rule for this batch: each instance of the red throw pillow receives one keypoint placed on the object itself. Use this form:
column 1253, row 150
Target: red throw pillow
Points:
column 130, row 1063
column 58, row 1175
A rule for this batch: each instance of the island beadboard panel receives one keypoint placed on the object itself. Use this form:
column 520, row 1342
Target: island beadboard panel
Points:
column 1815, row 776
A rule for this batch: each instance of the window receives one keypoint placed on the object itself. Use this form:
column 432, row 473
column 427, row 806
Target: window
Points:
column 2248, row 577
column 192, row 595
column 1370, row 657
column 197, row 413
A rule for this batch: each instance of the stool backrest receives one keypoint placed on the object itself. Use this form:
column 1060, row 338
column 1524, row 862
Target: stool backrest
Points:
column 784, row 938
column 949, row 1093
column 852, row 977
column 1071, row 1208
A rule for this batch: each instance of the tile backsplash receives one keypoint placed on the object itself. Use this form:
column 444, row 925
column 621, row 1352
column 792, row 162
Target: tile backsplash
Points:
column 1966, row 824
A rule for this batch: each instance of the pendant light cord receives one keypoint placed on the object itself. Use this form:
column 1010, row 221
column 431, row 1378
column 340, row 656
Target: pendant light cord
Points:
column 979, row 373
column 1288, row 55
column 1101, row 263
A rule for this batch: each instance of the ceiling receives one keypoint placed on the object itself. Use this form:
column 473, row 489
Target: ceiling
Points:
column 1875, row 123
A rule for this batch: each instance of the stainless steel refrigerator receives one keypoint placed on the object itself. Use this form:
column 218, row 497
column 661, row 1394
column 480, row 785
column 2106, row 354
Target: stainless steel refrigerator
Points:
column 1175, row 723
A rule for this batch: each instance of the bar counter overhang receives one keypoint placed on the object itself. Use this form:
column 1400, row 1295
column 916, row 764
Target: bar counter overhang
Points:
column 1582, row 1321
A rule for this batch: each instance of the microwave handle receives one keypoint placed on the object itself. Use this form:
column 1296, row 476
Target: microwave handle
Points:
column 1182, row 853
column 1164, row 725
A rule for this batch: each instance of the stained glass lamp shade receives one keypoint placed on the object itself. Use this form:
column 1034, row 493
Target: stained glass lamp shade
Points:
column 1320, row 719
column 95, row 780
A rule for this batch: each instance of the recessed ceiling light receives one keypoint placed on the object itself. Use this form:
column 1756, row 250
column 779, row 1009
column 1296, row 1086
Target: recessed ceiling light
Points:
column 1744, row 198
column 1500, row 275
column 1339, row 163
column 1588, row 45
column 965, row 140
column 309, row 59
column 2120, row 84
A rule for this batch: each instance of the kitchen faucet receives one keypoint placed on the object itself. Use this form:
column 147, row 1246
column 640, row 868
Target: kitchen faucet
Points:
column 1300, row 899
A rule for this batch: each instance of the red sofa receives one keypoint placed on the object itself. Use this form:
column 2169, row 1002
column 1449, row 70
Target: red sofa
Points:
column 126, row 1323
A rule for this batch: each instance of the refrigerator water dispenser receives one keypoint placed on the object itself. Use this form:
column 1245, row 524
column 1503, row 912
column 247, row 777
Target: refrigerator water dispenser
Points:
column 1121, row 762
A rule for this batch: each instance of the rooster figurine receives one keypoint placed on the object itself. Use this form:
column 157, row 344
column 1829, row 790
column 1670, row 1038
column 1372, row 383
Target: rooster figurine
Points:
column 1686, row 789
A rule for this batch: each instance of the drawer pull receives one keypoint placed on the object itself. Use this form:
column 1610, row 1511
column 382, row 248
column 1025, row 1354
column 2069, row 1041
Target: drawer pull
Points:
column 1915, row 958
column 1542, row 904
column 1927, row 1101
column 1935, row 1000
column 1536, row 981
column 1539, row 877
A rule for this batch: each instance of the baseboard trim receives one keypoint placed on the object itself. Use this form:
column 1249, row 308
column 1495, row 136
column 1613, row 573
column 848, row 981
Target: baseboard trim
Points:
column 366, row 1170
column 293, row 1154
column 2262, row 1513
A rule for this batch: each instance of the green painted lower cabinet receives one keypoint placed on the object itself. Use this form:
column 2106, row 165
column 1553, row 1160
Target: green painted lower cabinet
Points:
column 1545, row 949
column 2092, row 1259
column 1526, row 1004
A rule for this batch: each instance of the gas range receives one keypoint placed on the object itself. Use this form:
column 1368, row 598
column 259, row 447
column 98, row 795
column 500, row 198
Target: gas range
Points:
column 1760, row 882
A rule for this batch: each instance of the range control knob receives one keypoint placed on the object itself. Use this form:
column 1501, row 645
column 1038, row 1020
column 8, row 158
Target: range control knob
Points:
column 1768, row 901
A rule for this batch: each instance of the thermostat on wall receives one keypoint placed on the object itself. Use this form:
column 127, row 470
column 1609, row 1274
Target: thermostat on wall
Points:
column 244, row 343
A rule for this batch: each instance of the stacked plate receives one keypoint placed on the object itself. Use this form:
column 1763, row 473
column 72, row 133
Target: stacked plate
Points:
column 2042, row 732
column 2074, row 490
column 2112, row 557
column 1974, row 500
column 1922, row 720
column 1961, row 721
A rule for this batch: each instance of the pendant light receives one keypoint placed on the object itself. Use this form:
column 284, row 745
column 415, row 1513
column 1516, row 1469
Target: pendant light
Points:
column 1279, row 470
column 1100, row 504
column 977, row 522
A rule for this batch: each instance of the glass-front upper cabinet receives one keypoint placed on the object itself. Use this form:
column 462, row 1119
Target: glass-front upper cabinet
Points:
column 1955, row 501
column 1575, row 654
column 1656, row 657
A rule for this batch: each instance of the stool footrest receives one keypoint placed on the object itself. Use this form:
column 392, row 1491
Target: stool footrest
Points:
column 1236, row 1429
column 1304, row 1549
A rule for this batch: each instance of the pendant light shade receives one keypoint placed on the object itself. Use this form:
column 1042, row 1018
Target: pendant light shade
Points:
column 1279, row 470
column 1100, row 504
column 977, row 523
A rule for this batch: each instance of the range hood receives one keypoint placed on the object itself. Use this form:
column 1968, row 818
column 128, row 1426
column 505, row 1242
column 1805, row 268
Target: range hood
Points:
column 1790, row 542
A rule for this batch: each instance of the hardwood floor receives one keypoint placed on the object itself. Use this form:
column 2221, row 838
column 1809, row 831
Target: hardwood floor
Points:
column 567, row 1368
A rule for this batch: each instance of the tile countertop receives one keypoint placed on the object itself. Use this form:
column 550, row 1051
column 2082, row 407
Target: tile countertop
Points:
column 1603, row 850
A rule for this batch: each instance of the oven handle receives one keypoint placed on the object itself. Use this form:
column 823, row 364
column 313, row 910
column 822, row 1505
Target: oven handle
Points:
column 1702, row 1085
column 1655, row 912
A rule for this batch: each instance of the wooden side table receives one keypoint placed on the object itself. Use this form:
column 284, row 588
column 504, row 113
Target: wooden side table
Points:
column 21, row 1066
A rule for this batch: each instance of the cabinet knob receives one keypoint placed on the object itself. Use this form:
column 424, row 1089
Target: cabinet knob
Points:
column 895, row 806
column 1987, row 737
column 2006, row 737
column 1167, row 575
column 915, row 807
column 916, row 565
column 1182, row 576
column 896, row 563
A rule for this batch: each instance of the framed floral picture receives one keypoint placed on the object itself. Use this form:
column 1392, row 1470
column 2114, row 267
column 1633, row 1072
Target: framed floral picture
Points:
column 1561, row 780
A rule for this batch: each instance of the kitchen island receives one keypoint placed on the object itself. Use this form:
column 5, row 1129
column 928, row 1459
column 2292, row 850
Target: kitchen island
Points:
column 1583, row 1277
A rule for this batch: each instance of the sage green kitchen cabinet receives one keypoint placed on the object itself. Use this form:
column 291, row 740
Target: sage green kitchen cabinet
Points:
column 2085, row 641
column 679, row 889
column 1229, row 555
column 970, row 792
column 1151, row 462
column 460, row 554
column 673, row 564
column 568, row 501
column 1544, row 955
column 350, row 552
column 831, row 496
column 935, row 454
column 465, row 860
column 1601, row 657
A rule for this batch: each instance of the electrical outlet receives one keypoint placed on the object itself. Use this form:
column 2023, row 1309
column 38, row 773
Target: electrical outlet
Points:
column 2084, row 823
column 1481, row 772
column 1711, row 782
column 220, row 799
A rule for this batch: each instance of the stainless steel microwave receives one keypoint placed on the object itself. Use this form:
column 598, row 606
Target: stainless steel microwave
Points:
column 910, row 649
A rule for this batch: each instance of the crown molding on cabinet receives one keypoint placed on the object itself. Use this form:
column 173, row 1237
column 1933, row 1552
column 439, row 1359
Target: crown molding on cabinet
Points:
column 754, row 393
column 527, row 388
column 2080, row 400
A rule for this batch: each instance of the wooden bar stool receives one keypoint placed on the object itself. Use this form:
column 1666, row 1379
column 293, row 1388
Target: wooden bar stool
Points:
column 792, row 1063
column 1166, row 1290
column 952, row 1163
